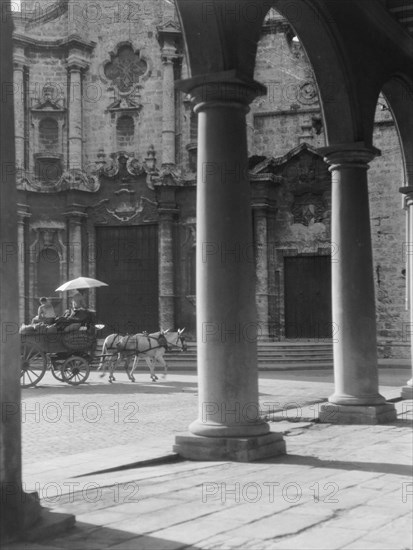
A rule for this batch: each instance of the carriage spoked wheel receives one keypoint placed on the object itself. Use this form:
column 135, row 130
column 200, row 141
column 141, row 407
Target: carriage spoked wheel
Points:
column 33, row 365
column 57, row 371
column 75, row 370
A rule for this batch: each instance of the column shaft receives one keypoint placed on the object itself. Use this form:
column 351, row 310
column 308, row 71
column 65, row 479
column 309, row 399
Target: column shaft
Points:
column 168, row 112
column 166, row 270
column 21, row 261
column 75, row 118
column 226, row 310
column 229, row 424
column 355, row 348
column 355, row 344
column 261, row 262
column 407, row 390
column 17, row 509
column 18, row 81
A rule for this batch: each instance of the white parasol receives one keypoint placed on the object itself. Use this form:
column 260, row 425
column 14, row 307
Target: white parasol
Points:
column 80, row 282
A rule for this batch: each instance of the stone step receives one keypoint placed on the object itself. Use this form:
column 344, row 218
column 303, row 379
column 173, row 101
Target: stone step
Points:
column 270, row 355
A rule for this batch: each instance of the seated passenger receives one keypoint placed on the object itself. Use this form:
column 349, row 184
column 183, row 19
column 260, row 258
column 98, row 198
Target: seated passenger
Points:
column 46, row 313
column 78, row 300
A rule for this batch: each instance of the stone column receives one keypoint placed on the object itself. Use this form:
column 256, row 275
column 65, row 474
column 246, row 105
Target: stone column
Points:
column 75, row 113
column 356, row 398
column 259, row 211
column 168, row 105
column 74, row 228
column 22, row 215
column 228, row 425
column 169, row 35
column 166, row 269
column 19, row 511
column 19, row 60
column 407, row 390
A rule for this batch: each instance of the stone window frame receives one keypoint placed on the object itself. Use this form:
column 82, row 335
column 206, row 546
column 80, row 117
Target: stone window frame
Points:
column 143, row 54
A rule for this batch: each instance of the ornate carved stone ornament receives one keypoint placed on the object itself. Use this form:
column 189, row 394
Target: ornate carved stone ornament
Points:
column 308, row 93
column 125, row 67
column 52, row 100
column 69, row 180
column 169, row 174
column 129, row 102
column 124, row 208
column 125, row 166
column 308, row 208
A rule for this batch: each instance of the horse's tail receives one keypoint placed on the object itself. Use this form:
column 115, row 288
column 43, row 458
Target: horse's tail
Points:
column 107, row 344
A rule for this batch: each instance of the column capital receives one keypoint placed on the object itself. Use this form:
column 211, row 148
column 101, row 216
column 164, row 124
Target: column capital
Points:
column 167, row 213
column 75, row 214
column 349, row 155
column 223, row 89
column 407, row 191
column 76, row 63
column 23, row 211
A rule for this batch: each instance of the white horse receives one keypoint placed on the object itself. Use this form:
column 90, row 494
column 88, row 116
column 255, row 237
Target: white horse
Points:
column 151, row 347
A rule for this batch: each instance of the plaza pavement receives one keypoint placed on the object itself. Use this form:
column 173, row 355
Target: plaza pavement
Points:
column 104, row 453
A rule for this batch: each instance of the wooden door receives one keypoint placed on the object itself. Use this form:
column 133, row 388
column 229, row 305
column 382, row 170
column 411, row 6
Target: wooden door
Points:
column 127, row 259
column 307, row 284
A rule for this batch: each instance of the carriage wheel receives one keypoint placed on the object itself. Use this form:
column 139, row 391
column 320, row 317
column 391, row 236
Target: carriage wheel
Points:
column 33, row 365
column 75, row 370
column 57, row 372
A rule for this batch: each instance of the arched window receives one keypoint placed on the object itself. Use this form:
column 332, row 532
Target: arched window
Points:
column 48, row 135
column 125, row 132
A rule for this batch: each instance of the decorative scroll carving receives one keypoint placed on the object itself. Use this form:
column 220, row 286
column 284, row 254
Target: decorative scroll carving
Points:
column 123, row 165
column 169, row 174
column 124, row 208
column 70, row 179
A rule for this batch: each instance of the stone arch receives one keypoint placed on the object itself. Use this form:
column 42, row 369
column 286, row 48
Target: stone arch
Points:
column 217, row 41
column 316, row 30
column 398, row 92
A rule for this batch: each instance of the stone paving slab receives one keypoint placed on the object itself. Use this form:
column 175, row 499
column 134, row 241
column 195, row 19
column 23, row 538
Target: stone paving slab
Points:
column 338, row 487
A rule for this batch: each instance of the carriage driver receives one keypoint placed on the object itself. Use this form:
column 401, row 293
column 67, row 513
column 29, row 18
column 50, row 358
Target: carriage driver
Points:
column 78, row 300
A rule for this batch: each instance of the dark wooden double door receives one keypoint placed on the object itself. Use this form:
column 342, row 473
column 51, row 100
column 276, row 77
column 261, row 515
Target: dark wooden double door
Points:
column 127, row 260
column 307, row 297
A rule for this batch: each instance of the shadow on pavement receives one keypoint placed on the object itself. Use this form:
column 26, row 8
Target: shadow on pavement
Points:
column 85, row 536
column 377, row 467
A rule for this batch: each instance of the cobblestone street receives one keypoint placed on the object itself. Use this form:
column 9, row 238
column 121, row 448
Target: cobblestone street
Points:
column 59, row 419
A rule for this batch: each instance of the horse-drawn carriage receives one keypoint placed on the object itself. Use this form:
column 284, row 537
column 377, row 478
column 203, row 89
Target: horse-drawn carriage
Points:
column 67, row 351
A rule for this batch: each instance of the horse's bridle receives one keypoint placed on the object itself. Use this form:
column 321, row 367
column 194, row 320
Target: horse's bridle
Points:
column 169, row 345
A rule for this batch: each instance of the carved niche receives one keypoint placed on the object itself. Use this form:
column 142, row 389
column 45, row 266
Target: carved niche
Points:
column 308, row 208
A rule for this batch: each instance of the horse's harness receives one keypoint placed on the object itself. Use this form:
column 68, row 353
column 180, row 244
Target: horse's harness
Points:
column 161, row 340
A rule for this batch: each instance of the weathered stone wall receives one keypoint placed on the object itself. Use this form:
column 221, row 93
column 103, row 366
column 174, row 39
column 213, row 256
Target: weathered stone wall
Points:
column 287, row 117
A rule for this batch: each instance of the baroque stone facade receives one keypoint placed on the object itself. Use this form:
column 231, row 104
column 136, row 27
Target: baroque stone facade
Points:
column 105, row 150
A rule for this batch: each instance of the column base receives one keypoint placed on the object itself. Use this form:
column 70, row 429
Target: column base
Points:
column 50, row 524
column 238, row 449
column 35, row 522
column 357, row 414
column 407, row 392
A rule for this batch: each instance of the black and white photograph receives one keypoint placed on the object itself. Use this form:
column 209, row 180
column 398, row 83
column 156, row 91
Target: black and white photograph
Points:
column 206, row 274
